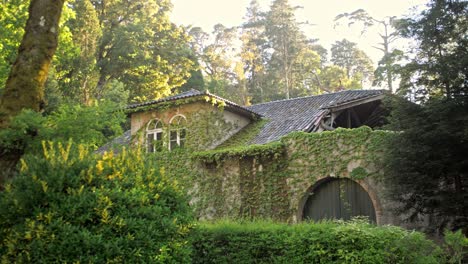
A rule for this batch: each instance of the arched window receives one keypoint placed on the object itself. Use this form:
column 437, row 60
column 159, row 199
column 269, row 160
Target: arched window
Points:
column 154, row 136
column 177, row 132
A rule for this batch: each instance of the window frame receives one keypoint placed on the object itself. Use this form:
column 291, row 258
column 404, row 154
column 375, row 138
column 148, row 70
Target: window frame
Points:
column 179, row 132
column 157, row 130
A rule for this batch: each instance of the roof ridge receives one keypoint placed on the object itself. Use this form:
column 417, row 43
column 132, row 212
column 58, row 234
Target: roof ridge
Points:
column 194, row 93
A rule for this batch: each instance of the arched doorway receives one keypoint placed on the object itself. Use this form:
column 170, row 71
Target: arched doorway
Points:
column 338, row 198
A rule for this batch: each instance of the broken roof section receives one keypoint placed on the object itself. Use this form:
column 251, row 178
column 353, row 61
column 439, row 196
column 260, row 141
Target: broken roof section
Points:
column 305, row 113
column 284, row 116
column 231, row 106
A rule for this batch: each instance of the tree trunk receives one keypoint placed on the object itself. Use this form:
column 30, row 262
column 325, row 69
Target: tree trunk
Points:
column 388, row 66
column 25, row 84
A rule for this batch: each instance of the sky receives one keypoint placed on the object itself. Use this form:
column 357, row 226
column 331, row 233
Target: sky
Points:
column 207, row 13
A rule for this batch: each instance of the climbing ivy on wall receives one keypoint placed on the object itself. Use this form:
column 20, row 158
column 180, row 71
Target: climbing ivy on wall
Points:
column 204, row 128
column 268, row 181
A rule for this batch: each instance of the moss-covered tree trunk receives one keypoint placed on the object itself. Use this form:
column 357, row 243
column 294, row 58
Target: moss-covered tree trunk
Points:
column 25, row 84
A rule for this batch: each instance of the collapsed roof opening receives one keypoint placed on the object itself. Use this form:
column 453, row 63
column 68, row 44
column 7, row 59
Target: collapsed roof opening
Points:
column 370, row 114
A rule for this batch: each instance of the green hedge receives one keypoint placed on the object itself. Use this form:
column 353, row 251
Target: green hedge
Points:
column 70, row 206
column 326, row 242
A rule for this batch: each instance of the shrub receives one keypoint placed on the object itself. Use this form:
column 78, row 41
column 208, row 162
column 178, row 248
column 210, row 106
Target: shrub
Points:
column 71, row 206
column 325, row 242
column 456, row 245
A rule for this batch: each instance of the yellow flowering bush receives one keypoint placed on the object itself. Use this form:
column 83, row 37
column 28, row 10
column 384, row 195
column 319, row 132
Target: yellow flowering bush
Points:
column 69, row 205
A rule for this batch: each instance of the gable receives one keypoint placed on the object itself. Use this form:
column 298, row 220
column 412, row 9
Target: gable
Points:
column 206, row 124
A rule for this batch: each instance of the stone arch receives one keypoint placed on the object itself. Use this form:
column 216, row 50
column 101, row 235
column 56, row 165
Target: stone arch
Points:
column 363, row 184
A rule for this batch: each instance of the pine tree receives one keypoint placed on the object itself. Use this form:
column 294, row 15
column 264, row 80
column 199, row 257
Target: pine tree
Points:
column 286, row 41
column 253, row 52
column 357, row 64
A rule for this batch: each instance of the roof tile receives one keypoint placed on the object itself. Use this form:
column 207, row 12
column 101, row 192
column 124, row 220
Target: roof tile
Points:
column 301, row 114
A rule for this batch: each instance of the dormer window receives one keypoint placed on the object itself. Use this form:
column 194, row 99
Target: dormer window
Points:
column 154, row 136
column 177, row 132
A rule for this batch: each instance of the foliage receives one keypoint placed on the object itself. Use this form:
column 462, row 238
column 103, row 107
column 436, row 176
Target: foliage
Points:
column 243, row 137
column 240, row 152
column 440, row 66
column 356, row 63
column 91, row 126
column 276, row 60
column 324, row 242
column 24, row 87
column 268, row 181
column 22, row 132
column 68, row 205
column 252, row 52
column 388, row 33
column 427, row 167
column 287, row 43
column 315, row 153
column 457, row 246
column 101, row 43
column 358, row 173
column 115, row 92
column 426, row 163
column 333, row 78
column 13, row 15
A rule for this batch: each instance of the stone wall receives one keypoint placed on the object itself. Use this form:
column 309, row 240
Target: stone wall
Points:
column 275, row 184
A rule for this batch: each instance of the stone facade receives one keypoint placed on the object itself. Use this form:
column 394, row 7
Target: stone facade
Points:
column 273, row 180
column 276, row 185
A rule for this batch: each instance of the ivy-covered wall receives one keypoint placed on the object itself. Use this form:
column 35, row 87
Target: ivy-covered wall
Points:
column 226, row 177
column 273, row 180
column 208, row 124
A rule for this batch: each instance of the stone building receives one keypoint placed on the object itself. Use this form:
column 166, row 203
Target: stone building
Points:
column 315, row 157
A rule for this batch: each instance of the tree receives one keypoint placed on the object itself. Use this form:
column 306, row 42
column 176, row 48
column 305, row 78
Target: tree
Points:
column 286, row 42
column 388, row 36
column 24, row 87
column 141, row 48
column 13, row 16
column 216, row 57
column 356, row 63
column 333, row 78
column 427, row 167
column 78, row 72
column 252, row 52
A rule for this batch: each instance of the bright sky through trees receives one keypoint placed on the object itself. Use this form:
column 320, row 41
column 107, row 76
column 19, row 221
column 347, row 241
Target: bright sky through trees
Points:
column 321, row 14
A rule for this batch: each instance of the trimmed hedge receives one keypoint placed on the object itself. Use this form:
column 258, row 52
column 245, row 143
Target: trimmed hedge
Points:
column 70, row 206
column 325, row 242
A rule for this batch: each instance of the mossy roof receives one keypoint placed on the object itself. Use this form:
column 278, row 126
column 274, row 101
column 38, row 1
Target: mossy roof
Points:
column 303, row 113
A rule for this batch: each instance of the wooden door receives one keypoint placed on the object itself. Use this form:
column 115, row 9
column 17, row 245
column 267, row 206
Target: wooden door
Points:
column 338, row 199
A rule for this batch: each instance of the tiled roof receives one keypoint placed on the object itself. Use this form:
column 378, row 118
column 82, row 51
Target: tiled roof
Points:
column 285, row 116
column 194, row 93
column 302, row 114
column 117, row 143
column 183, row 95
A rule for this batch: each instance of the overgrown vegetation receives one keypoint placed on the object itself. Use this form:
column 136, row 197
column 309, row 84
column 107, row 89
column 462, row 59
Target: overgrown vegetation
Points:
column 427, row 168
column 88, row 125
column 243, row 137
column 268, row 181
column 68, row 205
column 325, row 242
